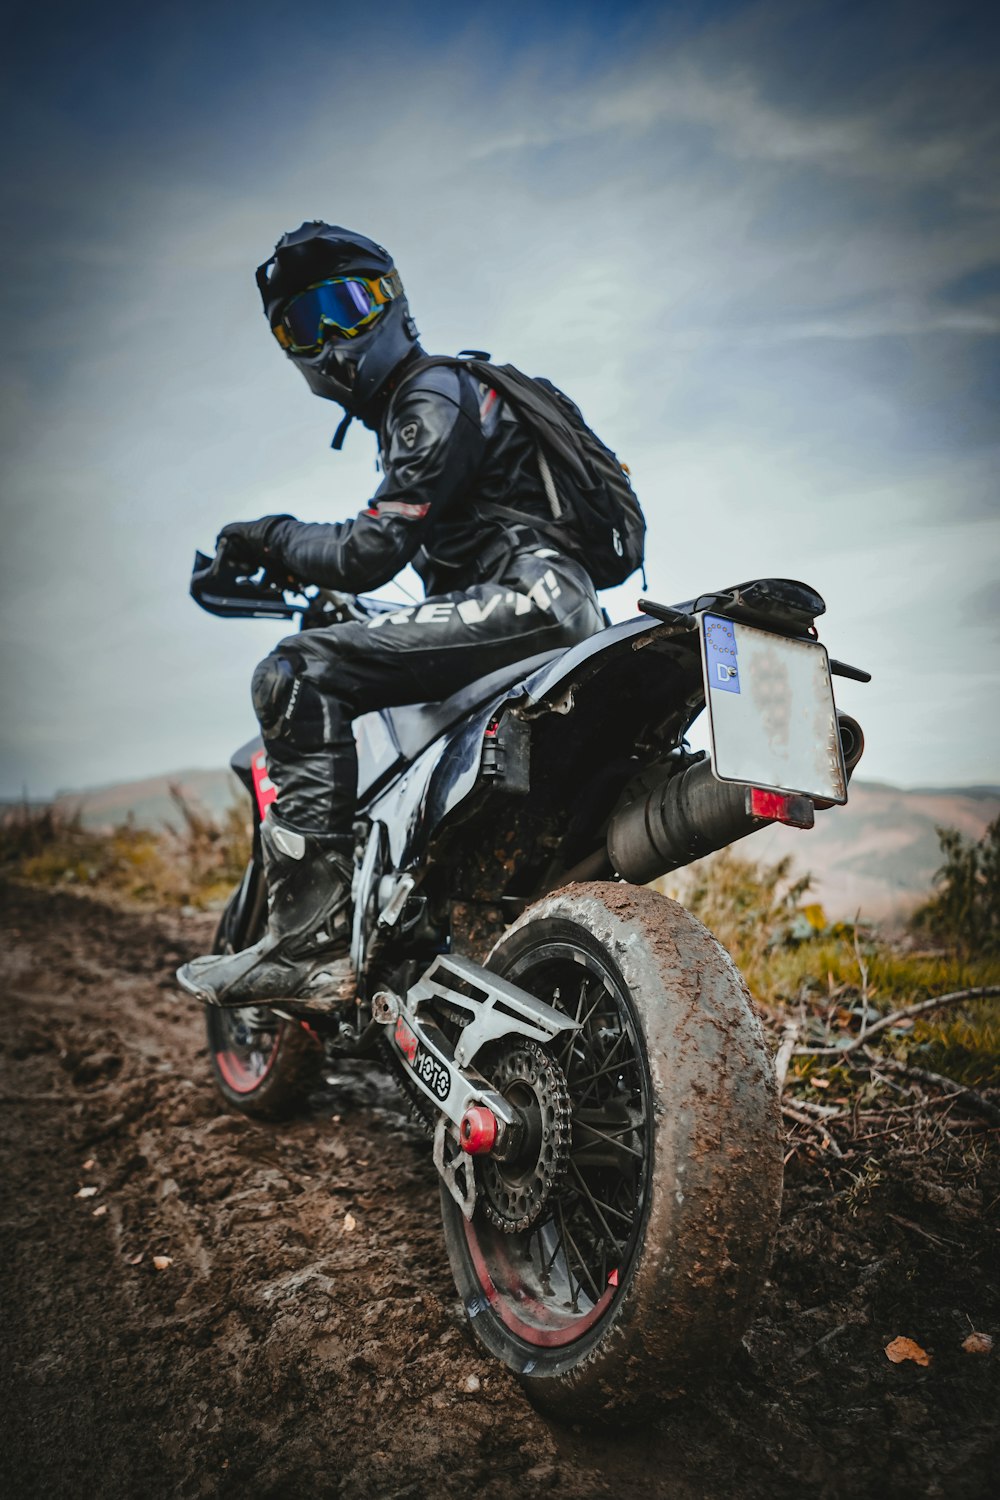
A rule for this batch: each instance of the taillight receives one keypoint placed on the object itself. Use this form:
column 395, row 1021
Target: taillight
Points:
column 782, row 807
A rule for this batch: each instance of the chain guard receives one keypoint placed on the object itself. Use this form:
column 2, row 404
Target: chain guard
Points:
column 420, row 1109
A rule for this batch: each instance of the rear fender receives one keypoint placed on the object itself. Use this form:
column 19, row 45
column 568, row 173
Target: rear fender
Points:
column 551, row 688
column 605, row 672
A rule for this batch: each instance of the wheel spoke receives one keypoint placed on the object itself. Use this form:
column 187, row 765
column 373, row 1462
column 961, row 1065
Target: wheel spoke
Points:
column 609, row 1140
column 562, row 1242
column 607, row 1067
column 574, row 1036
column 580, row 1260
column 602, row 994
column 547, row 1269
column 598, row 1208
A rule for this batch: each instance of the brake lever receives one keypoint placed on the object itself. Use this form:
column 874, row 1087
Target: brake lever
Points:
column 345, row 604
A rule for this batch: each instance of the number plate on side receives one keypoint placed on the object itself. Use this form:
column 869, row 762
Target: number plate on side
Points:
column 771, row 710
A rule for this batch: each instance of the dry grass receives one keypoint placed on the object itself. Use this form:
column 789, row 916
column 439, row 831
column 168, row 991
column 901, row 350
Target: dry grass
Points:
column 196, row 864
column 925, row 1089
column 832, row 979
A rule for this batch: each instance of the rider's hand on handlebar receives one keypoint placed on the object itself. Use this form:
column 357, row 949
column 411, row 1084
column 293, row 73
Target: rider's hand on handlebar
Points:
column 248, row 540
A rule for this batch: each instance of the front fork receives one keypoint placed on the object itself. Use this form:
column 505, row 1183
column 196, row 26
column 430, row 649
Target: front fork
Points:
column 473, row 1119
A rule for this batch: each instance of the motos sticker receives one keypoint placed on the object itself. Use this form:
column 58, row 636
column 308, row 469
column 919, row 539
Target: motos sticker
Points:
column 431, row 1072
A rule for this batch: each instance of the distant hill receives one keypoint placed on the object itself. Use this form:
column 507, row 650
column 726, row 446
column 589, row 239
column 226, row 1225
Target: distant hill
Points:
column 149, row 802
column 877, row 855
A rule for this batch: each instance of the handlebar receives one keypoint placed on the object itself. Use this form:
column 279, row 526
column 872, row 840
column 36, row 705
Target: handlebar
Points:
column 226, row 586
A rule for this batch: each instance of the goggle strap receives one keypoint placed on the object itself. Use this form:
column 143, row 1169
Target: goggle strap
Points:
column 391, row 286
column 338, row 437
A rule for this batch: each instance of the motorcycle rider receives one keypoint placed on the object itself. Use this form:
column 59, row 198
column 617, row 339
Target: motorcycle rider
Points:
column 497, row 591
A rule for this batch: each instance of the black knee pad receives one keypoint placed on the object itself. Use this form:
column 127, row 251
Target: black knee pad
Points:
column 271, row 689
column 287, row 705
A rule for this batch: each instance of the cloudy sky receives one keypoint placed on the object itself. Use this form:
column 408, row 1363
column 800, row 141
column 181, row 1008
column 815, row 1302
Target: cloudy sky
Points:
column 758, row 242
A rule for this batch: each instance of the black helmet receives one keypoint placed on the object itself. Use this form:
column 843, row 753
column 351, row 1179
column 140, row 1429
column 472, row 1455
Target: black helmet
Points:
column 346, row 364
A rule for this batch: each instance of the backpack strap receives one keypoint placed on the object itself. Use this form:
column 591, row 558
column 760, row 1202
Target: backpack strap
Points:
column 539, row 411
column 544, row 420
column 561, row 536
column 549, row 485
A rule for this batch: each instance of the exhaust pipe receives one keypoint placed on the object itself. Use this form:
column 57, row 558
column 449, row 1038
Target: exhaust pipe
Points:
column 690, row 814
column 852, row 741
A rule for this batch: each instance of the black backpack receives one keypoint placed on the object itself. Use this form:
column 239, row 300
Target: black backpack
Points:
column 595, row 513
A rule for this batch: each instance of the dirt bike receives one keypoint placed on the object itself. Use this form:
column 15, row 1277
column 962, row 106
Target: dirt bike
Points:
column 583, row 1052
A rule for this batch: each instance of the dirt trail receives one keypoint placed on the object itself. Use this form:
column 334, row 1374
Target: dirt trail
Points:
column 283, row 1353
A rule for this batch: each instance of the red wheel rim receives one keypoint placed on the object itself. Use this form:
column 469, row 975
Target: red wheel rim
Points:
column 551, row 1284
column 245, row 1052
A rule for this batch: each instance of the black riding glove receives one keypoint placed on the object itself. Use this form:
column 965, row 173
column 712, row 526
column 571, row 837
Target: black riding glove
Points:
column 250, row 540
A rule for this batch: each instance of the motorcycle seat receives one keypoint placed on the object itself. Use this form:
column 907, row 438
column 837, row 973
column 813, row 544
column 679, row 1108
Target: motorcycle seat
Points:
column 389, row 737
column 417, row 725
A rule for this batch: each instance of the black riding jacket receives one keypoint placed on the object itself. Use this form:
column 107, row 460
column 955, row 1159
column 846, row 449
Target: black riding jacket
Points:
column 448, row 447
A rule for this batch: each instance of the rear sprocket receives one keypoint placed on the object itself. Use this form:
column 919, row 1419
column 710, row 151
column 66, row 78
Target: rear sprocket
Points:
column 515, row 1191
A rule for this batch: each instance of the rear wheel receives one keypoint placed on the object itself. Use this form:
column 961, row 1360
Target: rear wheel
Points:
column 263, row 1065
column 629, row 1256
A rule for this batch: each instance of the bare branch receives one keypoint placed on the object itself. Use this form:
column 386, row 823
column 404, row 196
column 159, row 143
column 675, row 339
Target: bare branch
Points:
column 984, row 992
column 971, row 1098
column 863, row 971
column 908, row 1013
column 789, row 1036
column 824, row 1139
column 935, row 1239
column 821, row 1111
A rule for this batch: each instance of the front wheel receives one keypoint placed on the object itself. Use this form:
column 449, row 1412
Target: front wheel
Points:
column 263, row 1065
column 628, row 1258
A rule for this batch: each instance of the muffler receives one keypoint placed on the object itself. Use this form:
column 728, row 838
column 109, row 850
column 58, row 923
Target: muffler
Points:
column 690, row 814
column 852, row 741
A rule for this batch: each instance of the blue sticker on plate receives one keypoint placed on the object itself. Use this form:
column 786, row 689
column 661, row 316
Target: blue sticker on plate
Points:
column 720, row 654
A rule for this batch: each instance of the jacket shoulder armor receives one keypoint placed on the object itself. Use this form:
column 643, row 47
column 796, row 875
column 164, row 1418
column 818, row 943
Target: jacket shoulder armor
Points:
column 439, row 380
column 437, row 383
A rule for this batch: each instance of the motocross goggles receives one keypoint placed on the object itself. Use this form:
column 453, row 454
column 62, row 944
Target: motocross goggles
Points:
column 336, row 309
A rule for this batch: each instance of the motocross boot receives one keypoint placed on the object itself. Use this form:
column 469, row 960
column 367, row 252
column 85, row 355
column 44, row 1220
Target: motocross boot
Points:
column 304, row 952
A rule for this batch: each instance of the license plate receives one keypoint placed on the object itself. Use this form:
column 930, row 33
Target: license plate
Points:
column 771, row 710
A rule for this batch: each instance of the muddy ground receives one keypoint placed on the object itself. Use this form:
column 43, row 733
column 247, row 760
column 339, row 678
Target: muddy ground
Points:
column 282, row 1353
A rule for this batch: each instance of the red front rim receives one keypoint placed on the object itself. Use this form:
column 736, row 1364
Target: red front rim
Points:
column 247, row 1052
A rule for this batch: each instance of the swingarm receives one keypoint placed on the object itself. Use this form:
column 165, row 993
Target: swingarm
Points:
column 473, row 1118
